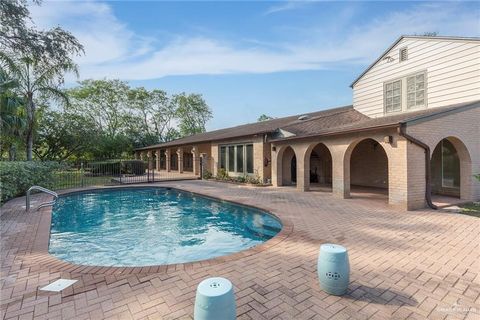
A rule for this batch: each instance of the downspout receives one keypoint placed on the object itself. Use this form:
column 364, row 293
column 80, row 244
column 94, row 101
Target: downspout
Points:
column 428, row 189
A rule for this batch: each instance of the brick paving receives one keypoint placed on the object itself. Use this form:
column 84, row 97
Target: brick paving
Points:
column 404, row 265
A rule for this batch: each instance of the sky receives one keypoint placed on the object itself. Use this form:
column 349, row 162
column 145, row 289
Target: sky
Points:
column 251, row 57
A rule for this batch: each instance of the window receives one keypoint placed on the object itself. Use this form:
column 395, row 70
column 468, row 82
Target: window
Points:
column 416, row 91
column 249, row 155
column 403, row 54
column 409, row 92
column 237, row 159
column 231, row 158
column 223, row 157
column 450, row 166
column 240, row 157
column 393, row 96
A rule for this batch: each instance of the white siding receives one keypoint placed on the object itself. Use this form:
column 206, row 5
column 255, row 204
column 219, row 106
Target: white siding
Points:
column 452, row 68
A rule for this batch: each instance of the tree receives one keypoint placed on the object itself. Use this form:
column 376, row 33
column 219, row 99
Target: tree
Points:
column 63, row 136
column 264, row 117
column 12, row 117
column 37, row 60
column 19, row 35
column 35, row 79
column 105, row 102
column 192, row 112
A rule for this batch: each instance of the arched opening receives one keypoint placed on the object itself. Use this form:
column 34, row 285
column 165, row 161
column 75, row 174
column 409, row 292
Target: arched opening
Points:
column 163, row 160
column 451, row 174
column 188, row 161
column 153, row 161
column 289, row 167
column 369, row 170
column 173, row 161
column 320, row 168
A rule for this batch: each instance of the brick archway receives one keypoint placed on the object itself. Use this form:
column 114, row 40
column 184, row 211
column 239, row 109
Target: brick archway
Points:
column 451, row 169
column 366, row 167
column 286, row 166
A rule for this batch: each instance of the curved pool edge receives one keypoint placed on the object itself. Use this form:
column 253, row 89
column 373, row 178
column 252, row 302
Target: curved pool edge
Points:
column 40, row 255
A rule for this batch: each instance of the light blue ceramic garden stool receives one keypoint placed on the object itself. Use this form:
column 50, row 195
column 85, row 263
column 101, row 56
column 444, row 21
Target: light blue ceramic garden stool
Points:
column 333, row 269
column 215, row 300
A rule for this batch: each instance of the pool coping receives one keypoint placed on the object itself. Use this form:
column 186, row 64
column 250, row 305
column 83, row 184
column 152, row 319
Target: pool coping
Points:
column 41, row 257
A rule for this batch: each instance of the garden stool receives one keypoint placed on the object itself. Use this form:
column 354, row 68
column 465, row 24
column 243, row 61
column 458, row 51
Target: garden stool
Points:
column 215, row 300
column 333, row 269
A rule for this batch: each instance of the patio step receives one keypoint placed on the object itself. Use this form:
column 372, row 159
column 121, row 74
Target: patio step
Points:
column 263, row 231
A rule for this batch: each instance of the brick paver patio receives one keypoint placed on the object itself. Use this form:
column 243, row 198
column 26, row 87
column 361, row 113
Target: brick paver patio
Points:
column 404, row 265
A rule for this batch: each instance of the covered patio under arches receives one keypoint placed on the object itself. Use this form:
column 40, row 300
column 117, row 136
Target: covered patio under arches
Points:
column 450, row 169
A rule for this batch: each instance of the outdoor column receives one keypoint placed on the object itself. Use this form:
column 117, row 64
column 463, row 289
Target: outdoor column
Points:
column 276, row 165
column 137, row 155
column 180, row 160
column 202, row 161
column 142, row 155
column 149, row 159
column 303, row 167
column 196, row 161
column 158, row 159
column 167, row 160
column 340, row 171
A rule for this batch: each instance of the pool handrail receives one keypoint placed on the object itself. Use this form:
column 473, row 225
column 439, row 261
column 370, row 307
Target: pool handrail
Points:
column 45, row 204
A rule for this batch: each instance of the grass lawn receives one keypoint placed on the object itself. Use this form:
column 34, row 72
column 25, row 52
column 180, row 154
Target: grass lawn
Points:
column 76, row 179
column 471, row 209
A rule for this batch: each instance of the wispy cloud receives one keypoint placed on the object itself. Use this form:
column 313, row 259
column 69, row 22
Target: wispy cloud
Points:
column 115, row 50
column 287, row 6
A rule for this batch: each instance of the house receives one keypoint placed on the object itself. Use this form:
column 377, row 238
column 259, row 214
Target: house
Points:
column 413, row 130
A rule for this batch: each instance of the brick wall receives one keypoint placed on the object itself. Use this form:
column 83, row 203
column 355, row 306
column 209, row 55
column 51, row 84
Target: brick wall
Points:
column 369, row 165
column 464, row 127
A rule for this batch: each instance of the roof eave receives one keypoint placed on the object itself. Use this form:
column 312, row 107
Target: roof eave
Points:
column 339, row 132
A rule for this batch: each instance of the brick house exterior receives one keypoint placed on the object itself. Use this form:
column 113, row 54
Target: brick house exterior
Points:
column 413, row 129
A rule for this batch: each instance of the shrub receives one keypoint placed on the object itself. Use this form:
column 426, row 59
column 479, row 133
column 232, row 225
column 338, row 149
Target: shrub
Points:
column 17, row 176
column 136, row 167
column 222, row 174
column 241, row 179
column 104, row 168
column 207, row 174
column 477, row 176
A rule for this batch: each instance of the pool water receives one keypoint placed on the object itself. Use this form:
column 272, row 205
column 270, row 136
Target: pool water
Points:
column 152, row 226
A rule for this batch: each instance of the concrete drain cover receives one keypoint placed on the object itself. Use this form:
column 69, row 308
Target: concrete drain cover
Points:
column 58, row 285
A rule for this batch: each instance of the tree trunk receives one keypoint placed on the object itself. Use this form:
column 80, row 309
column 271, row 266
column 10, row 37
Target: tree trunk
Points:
column 30, row 124
column 12, row 153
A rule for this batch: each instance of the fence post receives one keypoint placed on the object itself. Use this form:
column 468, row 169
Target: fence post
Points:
column 153, row 169
column 120, row 173
column 82, row 173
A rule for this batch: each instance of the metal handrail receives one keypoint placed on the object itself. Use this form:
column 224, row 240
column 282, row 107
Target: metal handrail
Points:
column 42, row 189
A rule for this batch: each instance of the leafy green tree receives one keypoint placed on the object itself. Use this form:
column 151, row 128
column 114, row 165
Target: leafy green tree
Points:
column 20, row 36
column 36, row 59
column 264, row 117
column 105, row 102
column 36, row 79
column 12, row 117
column 62, row 136
column 192, row 112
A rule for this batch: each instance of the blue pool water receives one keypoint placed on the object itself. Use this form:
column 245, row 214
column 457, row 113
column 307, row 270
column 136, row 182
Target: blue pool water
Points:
column 152, row 226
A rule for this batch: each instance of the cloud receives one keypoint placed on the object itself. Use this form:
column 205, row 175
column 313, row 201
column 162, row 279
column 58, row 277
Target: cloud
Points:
column 114, row 50
column 287, row 6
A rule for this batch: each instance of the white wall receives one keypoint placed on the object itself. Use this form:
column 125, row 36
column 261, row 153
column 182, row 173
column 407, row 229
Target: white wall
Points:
column 452, row 66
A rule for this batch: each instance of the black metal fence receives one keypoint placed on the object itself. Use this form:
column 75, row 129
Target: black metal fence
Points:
column 114, row 172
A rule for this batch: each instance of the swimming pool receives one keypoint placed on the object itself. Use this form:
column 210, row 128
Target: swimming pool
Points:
column 152, row 226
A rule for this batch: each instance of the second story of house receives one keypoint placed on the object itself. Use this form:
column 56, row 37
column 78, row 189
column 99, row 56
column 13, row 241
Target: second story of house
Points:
column 419, row 72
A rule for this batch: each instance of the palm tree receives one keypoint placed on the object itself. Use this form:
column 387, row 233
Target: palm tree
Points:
column 36, row 79
column 12, row 115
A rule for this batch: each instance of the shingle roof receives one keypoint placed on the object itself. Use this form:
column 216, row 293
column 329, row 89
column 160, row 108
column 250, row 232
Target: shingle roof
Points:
column 328, row 122
column 249, row 129
column 352, row 121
